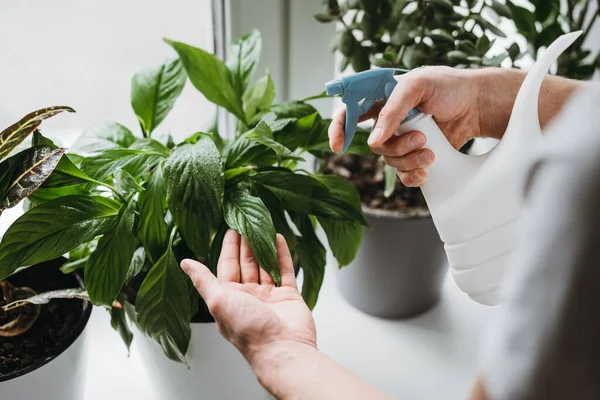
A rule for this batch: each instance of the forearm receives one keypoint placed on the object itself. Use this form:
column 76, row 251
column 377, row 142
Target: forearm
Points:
column 302, row 372
column 499, row 88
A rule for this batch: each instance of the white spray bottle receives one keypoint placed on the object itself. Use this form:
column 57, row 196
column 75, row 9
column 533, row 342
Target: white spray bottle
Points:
column 475, row 201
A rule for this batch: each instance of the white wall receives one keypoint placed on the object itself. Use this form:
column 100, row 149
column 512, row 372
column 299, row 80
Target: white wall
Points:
column 84, row 53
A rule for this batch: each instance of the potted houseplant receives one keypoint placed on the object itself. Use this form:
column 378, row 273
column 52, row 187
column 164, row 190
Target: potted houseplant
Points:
column 402, row 258
column 41, row 341
column 128, row 208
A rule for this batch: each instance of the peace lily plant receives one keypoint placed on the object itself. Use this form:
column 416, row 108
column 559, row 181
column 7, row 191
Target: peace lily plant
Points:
column 127, row 208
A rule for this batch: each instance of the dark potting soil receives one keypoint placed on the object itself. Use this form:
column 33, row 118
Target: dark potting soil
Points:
column 367, row 173
column 60, row 321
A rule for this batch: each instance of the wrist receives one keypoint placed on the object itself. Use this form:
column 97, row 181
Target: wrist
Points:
column 272, row 359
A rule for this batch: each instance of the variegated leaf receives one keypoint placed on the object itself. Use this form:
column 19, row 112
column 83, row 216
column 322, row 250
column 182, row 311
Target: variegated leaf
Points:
column 38, row 164
column 17, row 132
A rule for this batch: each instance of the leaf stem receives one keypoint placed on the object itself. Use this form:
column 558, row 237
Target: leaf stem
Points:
column 109, row 186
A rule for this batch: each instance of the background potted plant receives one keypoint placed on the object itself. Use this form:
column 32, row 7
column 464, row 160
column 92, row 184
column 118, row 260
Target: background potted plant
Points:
column 401, row 258
column 41, row 341
column 128, row 208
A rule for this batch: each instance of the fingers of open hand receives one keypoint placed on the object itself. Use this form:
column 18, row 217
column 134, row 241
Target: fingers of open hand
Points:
column 249, row 265
column 203, row 279
column 286, row 265
column 228, row 267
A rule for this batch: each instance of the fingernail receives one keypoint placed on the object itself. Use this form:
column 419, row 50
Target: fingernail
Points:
column 423, row 159
column 376, row 134
column 416, row 177
column 416, row 140
column 185, row 265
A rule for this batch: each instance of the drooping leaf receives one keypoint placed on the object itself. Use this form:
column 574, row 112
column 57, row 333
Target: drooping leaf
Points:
column 259, row 98
column 278, row 216
column 193, row 174
column 216, row 246
column 139, row 160
column 344, row 238
column 107, row 266
column 54, row 228
column 307, row 195
column 17, row 132
column 102, row 137
column 118, row 321
column 137, row 263
column 153, row 229
column 263, row 135
column 162, row 306
column 312, row 258
column 244, row 57
column 154, row 92
column 36, row 165
column 44, row 298
column 248, row 215
column 211, row 77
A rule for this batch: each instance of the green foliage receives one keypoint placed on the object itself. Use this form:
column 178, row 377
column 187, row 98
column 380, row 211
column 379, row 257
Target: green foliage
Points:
column 114, row 198
column 407, row 34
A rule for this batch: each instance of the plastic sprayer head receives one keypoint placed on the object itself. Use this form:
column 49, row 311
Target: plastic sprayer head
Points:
column 334, row 88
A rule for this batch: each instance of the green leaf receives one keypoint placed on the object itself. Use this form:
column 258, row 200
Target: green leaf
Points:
column 54, row 228
column 390, row 180
column 501, row 9
column 293, row 109
column 211, row 77
column 322, row 17
column 444, row 5
column 162, row 306
column 485, row 24
column 102, row 137
column 118, row 322
column 125, row 183
column 263, row 135
column 259, row 98
column 233, row 173
column 17, row 132
column 344, row 238
column 244, row 57
column 523, row 18
column 548, row 35
column 496, row 60
column 544, row 8
column 243, row 152
column 250, row 217
column 307, row 195
column 152, row 202
column 483, row 45
column 107, row 266
column 139, row 160
column 154, row 92
column 457, row 56
column 278, row 216
column 216, row 246
column 43, row 194
column 137, row 264
column 36, row 165
column 194, row 180
column 312, row 258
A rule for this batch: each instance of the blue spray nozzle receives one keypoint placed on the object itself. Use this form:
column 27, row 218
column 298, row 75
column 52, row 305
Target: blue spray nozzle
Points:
column 368, row 87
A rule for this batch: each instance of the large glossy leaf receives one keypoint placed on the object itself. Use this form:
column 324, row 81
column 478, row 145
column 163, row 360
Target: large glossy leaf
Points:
column 243, row 59
column 344, row 237
column 193, row 174
column 118, row 321
column 138, row 159
column 263, row 135
column 54, row 228
column 242, row 152
column 278, row 215
column 211, row 77
column 250, row 217
column 154, row 92
column 162, row 306
column 152, row 201
column 110, row 135
column 125, row 183
column 312, row 259
column 36, row 166
column 137, row 263
column 107, row 266
column 17, row 132
column 305, row 194
column 259, row 98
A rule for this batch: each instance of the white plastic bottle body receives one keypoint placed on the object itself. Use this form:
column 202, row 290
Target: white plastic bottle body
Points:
column 476, row 201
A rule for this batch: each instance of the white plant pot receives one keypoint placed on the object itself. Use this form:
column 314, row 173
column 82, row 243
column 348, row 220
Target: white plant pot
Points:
column 216, row 368
column 57, row 377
